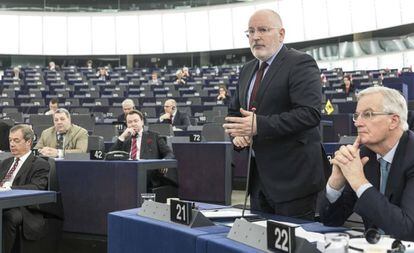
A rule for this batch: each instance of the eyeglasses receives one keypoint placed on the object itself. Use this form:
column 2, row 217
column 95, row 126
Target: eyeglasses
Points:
column 260, row 30
column 367, row 115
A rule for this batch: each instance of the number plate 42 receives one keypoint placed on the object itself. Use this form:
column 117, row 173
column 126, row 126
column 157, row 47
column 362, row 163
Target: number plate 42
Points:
column 280, row 237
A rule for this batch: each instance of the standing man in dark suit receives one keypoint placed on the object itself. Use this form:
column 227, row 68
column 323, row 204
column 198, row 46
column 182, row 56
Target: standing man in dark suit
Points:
column 283, row 87
column 145, row 145
column 173, row 116
column 22, row 171
column 377, row 180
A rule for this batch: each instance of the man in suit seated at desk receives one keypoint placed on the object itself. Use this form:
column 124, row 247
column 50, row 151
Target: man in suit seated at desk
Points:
column 375, row 180
column 22, row 171
column 145, row 145
column 62, row 137
column 173, row 116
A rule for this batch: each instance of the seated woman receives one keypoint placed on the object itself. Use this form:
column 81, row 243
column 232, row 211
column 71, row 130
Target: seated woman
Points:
column 348, row 86
column 223, row 96
column 179, row 75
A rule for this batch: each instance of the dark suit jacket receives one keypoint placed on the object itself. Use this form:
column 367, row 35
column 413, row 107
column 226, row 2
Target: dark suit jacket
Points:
column 152, row 147
column 33, row 175
column 181, row 120
column 392, row 212
column 289, row 155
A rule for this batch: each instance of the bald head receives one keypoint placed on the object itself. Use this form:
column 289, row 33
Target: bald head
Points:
column 266, row 34
column 272, row 17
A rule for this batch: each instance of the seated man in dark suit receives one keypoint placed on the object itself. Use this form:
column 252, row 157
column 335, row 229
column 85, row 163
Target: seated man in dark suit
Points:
column 22, row 171
column 173, row 116
column 376, row 180
column 145, row 145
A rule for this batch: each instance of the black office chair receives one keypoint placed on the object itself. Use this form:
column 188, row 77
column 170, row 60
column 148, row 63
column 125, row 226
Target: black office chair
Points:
column 96, row 142
column 214, row 132
column 53, row 213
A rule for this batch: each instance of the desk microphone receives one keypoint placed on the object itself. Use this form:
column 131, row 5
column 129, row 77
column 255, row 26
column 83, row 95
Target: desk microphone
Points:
column 253, row 109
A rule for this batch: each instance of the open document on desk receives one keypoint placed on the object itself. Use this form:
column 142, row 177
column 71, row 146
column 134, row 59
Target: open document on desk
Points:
column 226, row 213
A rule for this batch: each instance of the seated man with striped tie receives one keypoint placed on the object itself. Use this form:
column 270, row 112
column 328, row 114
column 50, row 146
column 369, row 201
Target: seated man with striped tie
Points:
column 144, row 145
column 63, row 137
column 374, row 177
column 22, row 171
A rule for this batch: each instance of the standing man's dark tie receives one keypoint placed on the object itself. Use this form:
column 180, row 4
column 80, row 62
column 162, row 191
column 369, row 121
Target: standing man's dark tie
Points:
column 259, row 76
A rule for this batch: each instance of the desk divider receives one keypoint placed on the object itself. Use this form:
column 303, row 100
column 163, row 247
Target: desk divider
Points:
column 161, row 212
column 255, row 236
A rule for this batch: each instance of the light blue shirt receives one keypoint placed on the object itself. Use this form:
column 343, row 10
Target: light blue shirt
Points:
column 269, row 62
column 332, row 195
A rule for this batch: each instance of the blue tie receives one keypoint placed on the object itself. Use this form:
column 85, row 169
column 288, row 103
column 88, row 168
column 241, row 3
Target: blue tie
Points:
column 385, row 170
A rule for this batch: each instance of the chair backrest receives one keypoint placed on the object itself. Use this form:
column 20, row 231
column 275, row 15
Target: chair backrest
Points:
column 54, row 209
column 85, row 121
column 16, row 116
column 149, row 112
column 106, row 131
column 214, row 132
column 220, row 110
column 37, row 119
column 162, row 129
column 96, row 142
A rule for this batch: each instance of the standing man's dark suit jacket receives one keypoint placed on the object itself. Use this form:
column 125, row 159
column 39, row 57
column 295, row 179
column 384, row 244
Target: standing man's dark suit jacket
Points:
column 392, row 212
column 33, row 175
column 181, row 120
column 287, row 145
column 152, row 147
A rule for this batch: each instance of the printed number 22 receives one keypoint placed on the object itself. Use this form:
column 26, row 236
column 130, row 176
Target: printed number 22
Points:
column 281, row 235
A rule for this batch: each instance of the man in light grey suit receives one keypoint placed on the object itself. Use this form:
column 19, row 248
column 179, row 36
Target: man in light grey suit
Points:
column 283, row 86
column 62, row 137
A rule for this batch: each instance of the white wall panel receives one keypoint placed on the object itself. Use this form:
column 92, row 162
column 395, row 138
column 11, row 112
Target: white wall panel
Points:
column 9, row 42
column 292, row 17
column 240, row 22
column 407, row 9
column 79, row 35
column 150, row 28
column 388, row 13
column 127, row 34
column 55, row 35
column 363, row 15
column 198, row 32
column 103, row 35
column 391, row 61
column 221, row 29
column 339, row 17
column 174, row 32
column 31, row 35
column 315, row 19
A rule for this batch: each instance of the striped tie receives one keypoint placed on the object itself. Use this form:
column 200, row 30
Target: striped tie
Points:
column 10, row 172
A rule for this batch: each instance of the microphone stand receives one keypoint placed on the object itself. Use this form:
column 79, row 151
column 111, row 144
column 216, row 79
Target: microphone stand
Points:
column 249, row 163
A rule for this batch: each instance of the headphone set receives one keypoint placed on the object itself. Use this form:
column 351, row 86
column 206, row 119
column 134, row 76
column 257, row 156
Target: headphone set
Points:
column 373, row 235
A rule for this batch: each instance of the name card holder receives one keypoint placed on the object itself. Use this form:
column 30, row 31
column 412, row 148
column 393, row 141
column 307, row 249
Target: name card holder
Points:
column 255, row 236
column 161, row 212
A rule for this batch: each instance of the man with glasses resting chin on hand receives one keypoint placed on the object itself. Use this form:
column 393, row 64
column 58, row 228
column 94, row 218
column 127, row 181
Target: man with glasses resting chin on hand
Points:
column 374, row 177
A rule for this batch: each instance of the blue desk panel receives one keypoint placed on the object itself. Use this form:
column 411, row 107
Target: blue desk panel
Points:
column 128, row 232
column 92, row 189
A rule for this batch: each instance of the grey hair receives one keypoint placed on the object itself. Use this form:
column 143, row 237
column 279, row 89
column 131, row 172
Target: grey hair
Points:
column 63, row 110
column 393, row 102
column 128, row 102
column 27, row 131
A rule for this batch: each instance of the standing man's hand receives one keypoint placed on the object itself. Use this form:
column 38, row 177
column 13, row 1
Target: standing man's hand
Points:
column 241, row 126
